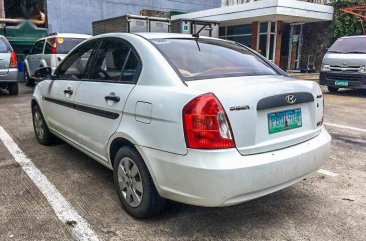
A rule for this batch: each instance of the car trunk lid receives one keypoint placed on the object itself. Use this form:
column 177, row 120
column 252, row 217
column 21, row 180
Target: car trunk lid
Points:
column 252, row 105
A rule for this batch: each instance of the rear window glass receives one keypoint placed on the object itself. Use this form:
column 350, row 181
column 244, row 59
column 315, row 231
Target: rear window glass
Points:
column 65, row 45
column 211, row 58
column 349, row 46
column 4, row 46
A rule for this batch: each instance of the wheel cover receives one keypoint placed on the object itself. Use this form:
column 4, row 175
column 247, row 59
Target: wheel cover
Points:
column 130, row 182
column 38, row 125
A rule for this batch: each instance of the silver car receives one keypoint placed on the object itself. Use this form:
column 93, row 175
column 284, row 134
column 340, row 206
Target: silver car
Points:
column 344, row 65
column 8, row 67
column 49, row 52
column 198, row 120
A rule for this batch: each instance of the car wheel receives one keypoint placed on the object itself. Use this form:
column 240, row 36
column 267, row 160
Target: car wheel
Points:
column 135, row 187
column 44, row 136
column 27, row 79
column 333, row 89
column 13, row 89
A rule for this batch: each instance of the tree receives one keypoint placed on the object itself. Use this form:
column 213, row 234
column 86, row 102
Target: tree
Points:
column 345, row 24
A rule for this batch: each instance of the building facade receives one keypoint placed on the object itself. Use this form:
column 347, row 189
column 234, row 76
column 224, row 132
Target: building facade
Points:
column 77, row 16
column 275, row 28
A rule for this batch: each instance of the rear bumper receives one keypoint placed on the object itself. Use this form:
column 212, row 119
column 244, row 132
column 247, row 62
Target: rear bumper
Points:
column 355, row 80
column 222, row 178
column 10, row 77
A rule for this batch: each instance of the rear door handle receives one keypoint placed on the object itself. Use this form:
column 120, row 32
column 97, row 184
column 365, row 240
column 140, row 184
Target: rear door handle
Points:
column 112, row 98
column 68, row 91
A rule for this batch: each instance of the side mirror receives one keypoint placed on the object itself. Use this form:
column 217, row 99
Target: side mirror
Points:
column 43, row 73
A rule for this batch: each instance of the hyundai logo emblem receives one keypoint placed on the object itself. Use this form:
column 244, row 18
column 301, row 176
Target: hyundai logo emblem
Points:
column 291, row 99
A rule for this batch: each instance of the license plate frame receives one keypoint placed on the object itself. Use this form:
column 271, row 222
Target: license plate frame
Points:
column 281, row 125
column 341, row 83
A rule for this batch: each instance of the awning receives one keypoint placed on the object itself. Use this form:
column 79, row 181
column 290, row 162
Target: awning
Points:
column 289, row 11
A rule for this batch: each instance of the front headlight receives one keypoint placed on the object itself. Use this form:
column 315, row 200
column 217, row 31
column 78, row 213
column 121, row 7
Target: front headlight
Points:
column 325, row 67
column 362, row 69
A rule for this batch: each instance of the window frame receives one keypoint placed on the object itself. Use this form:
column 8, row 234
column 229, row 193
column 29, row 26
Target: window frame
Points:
column 271, row 65
column 132, row 49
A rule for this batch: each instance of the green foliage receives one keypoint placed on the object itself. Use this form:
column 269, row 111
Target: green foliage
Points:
column 345, row 24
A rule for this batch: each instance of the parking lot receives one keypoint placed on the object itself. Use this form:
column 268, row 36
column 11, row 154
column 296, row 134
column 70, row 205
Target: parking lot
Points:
column 330, row 205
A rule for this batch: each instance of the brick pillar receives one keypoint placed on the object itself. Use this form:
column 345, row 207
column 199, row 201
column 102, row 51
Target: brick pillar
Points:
column 277, row 59
column 254, row 35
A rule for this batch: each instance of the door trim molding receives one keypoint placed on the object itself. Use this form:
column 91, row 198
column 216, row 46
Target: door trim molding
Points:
column 83, row 108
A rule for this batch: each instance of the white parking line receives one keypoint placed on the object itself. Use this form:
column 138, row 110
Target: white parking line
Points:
column 81, row 229
column 328, row 173
column 346, row 127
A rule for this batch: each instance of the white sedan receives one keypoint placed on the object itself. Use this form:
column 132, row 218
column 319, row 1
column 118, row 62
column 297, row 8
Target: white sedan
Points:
column 197, row 120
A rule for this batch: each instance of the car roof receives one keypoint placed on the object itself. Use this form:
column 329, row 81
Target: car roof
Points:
column 148, row 35
column 356, row 36
column 68, row 35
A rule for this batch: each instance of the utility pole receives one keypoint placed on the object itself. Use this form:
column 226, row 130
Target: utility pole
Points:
column 2, row 13
column 2, row 9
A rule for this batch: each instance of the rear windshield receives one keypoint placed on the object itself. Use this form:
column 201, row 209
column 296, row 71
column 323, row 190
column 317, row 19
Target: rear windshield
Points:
column 210, row 58
column 4, row 46
column 65, row 45
column 349, row 46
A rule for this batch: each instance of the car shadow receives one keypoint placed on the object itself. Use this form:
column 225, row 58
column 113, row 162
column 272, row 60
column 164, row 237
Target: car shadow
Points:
column 348, row 92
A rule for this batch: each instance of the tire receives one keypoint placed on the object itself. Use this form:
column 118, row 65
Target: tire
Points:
column 44, row 136
column 333, row 89
column 29, row 81
column 13, row 89
column 136, row 190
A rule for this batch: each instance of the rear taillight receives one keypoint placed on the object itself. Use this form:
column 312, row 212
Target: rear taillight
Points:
column 206, row 125
column 54, row 46
column 13, row 60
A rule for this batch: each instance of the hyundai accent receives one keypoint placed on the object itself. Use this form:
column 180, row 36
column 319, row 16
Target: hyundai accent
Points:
column 198, row 120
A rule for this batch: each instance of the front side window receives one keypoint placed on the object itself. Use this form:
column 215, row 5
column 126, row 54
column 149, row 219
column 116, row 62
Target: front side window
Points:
column 115, row 61
column 75, row 65
column 38, row 47
column 211, row 58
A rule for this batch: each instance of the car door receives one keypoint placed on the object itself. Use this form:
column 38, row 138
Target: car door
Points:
column 60, row 96
column 34, row 60
column 101, row 99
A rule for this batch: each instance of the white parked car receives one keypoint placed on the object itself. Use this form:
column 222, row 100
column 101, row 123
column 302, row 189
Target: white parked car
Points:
column 201, row 121
column 49, row 52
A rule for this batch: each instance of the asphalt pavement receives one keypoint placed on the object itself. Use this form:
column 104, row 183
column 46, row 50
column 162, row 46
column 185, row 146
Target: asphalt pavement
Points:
column 330, row 205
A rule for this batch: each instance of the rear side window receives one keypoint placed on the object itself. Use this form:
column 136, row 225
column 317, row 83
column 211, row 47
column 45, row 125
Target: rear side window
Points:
column 211, row 58
column 115, row 61
column 38, row 47
column 4, row 46
column 131, row 68
column 48, row 46
column 65, row 45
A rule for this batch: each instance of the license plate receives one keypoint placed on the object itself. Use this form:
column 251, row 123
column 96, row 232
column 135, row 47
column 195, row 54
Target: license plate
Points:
column 284, row 120
column 341, row 83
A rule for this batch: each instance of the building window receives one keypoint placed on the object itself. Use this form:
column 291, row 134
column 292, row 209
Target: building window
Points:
column 267, row 39
column 238, row 33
